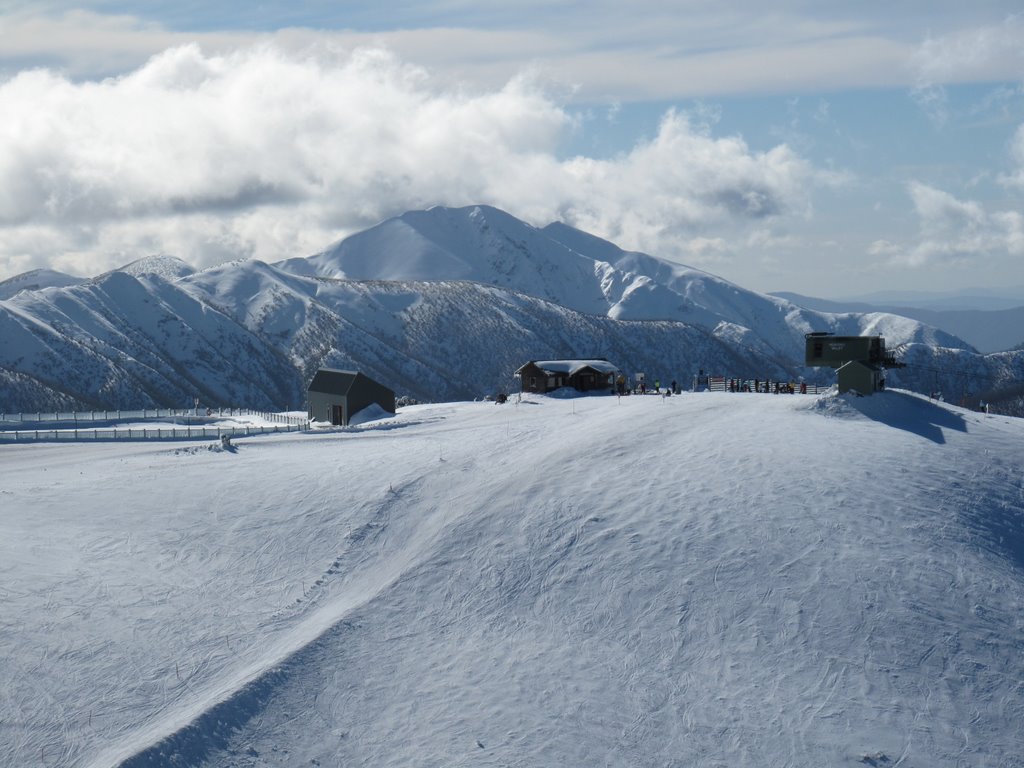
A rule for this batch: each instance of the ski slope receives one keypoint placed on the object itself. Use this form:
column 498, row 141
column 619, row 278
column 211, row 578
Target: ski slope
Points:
column 701, row 580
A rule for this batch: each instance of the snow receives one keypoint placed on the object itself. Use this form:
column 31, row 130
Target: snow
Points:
column 575, row 366
column 370, row 413
column 35, row 280
column 707, row 579
column 168, row 268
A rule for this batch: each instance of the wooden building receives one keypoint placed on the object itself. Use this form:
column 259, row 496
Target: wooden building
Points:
column 584, row 375
column 336, row 396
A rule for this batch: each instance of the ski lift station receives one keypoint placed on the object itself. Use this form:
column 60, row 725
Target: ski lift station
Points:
column 336, row 396
column 860, row 361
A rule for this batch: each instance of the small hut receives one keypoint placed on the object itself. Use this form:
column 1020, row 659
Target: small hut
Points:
column 336, row 396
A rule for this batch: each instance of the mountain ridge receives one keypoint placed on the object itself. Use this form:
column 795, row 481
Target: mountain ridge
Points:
column 990, row 330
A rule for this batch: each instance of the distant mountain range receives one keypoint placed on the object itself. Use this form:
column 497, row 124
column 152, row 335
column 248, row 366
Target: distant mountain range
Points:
column 982, row 299
column 440, row 304
column 989, row 330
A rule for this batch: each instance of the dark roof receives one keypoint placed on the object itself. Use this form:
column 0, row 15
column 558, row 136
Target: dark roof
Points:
column 333, row 381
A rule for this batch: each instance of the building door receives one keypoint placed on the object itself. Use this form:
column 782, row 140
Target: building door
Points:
column 337, row 414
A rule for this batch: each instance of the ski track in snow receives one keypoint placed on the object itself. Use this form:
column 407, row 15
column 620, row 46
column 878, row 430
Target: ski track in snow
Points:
column 699, row 580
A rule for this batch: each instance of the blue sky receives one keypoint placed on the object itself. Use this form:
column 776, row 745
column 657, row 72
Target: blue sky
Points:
column 804, row 146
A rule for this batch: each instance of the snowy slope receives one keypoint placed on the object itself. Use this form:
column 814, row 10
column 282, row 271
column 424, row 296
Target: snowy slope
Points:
column 121, row 342
column 702, row 580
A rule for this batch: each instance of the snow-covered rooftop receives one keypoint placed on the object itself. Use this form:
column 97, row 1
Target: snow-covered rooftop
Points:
column 573, row 366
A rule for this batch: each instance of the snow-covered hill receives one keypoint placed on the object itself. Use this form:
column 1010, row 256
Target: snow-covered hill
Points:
column 439, row 304
column 702, row 580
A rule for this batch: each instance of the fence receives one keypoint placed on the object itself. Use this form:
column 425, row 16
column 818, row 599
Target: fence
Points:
column 69, row 426
column 137, row 433
column 724, row 384
column 151, row 413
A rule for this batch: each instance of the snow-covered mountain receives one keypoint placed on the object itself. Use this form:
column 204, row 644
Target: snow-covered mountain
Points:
column 168, row 267
column 585, row 273
column 247, row 333
column 994, row 329
column 703, row 580
column 439, row 304
column 36, row 280
column 119, row 341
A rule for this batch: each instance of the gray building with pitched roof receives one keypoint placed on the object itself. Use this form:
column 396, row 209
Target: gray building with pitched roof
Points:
column 336, row 396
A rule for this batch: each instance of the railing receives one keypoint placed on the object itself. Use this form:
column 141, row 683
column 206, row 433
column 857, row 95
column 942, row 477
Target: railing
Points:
column 137, row 433
column 71, row 426
column 150, row 413
column 726, row 384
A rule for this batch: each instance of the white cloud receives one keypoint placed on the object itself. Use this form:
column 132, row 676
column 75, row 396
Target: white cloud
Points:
column 987, row 53
column 953, row 231
column 88, row 44
column 271, row 153
column 682, row 183
column 608, row 51
column 1016, row 177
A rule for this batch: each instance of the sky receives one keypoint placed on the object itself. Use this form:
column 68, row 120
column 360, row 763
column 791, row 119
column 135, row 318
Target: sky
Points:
column 831, row 149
